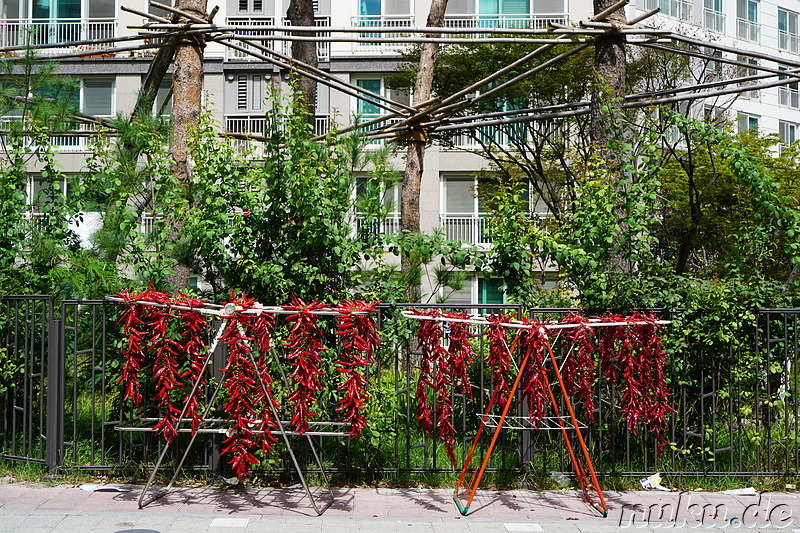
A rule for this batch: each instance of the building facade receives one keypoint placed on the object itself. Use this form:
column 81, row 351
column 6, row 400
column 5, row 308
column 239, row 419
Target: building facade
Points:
column 237, row 84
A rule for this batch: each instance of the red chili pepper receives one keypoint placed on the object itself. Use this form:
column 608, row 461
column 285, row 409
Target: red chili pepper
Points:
column 244, row 392
column 532, row 382
column 499, row 358
column 579, row 366
column 360, row 340
column 305, row 351
column 194, row 347
column 133, row 322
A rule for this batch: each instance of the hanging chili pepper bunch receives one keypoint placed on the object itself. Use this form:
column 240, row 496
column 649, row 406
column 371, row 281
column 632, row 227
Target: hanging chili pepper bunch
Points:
column 579, row 367
column 533, row 342
column 193, row 325
column 305, row 353
column 499, row 358
column 633, row 356
column 243, row 390
column 442, row 372
column 166, row 370
column 360, row 340
column 429, row 339
column 133, row 325
column 261, row 330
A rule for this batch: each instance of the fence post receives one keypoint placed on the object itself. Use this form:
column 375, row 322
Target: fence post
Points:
column 54, row 432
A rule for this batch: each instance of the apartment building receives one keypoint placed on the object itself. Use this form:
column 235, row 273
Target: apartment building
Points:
column 237, row 83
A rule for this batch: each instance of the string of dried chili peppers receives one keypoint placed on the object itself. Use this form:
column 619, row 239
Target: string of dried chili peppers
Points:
column 261, row 332
column 166, row 370
column 132, row 321
column 305, row 351
column 499, row 358
column 242, row 390
column 532, row 387
column 429, row 339
column 194, row 326
column 579, row 368
column 360, row 340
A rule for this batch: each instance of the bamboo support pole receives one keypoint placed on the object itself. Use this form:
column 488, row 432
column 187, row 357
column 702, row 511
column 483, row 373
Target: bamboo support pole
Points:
column 743, row 64
column 404, row 30
column 606, row 12
column 644, row 16
column 144, row 14
column 176, row 11
column 325, row 79
column 782, row 60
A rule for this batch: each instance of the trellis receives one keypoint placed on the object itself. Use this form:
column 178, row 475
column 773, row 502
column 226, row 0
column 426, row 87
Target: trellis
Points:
column 254, row 417
column 532, row 340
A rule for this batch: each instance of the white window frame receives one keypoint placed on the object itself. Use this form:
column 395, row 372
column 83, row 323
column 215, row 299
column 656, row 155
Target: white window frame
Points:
column 789, row 38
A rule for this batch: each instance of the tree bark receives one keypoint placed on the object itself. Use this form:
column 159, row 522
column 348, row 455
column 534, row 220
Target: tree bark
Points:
column 301, row 13
column 187, row 87
column 415, row 154
column 608, row 90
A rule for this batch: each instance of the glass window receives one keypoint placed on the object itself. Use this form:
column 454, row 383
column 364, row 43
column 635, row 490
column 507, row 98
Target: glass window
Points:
column 459, row 195
column 98, row 97
column 787, row 132
column 491, row 291
column 366, row 108
column 747, row 122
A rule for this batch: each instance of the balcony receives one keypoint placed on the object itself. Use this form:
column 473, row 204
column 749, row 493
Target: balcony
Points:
column 510, row 135
column 377, row 226
column 468, row 228
column 377, row 22
column 21, row 32
column 714, row 20
column 534, row 21
column 78, row 139
column 323, row 47
column 748, row 30
column 789, row 42
column 238, row 55
column 255, row 125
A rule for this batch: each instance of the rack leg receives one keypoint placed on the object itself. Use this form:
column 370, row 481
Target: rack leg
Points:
column 601, row 507
column 476, row 479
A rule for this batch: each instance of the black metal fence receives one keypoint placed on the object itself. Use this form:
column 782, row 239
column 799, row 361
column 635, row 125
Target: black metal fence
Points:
column 735, row 400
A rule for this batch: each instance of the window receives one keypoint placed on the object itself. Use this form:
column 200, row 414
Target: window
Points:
column 747, row 20
column 789, row 94
column 681, row 9
column 250, row 7
column 367, row 108
column 788, row 132
column 747, row 122
column 713, row 16
column 743, row 71
column 374, row 196
column 712, row 69
column 787, row 31
column 163, row 102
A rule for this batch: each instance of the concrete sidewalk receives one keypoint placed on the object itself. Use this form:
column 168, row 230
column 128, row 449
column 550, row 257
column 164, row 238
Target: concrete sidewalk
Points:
column 26, row 507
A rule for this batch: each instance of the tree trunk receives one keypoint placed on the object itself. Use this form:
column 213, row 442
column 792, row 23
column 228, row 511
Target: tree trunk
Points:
column 415, row 154
column 609, row 89
column 301, row 13
column 187, row 86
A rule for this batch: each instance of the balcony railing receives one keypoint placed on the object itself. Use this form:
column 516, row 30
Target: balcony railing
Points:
column 534, row 21
column 238, row 55
column 377, row 226
column 788, row 41
column 323, row 47
column 381, row 21
column 255, row 125
column 468, row 228
column 507, row 135
column 76, row 140
column 36, row 32
column 748, row 30
column 789, row 96
column 714, row 20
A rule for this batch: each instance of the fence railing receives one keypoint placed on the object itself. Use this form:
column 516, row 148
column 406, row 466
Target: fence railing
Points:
column 736, row 402
column 370, row 22
column 239, row 55
column 533, row 21
column 36, row 32
column 714, row 20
